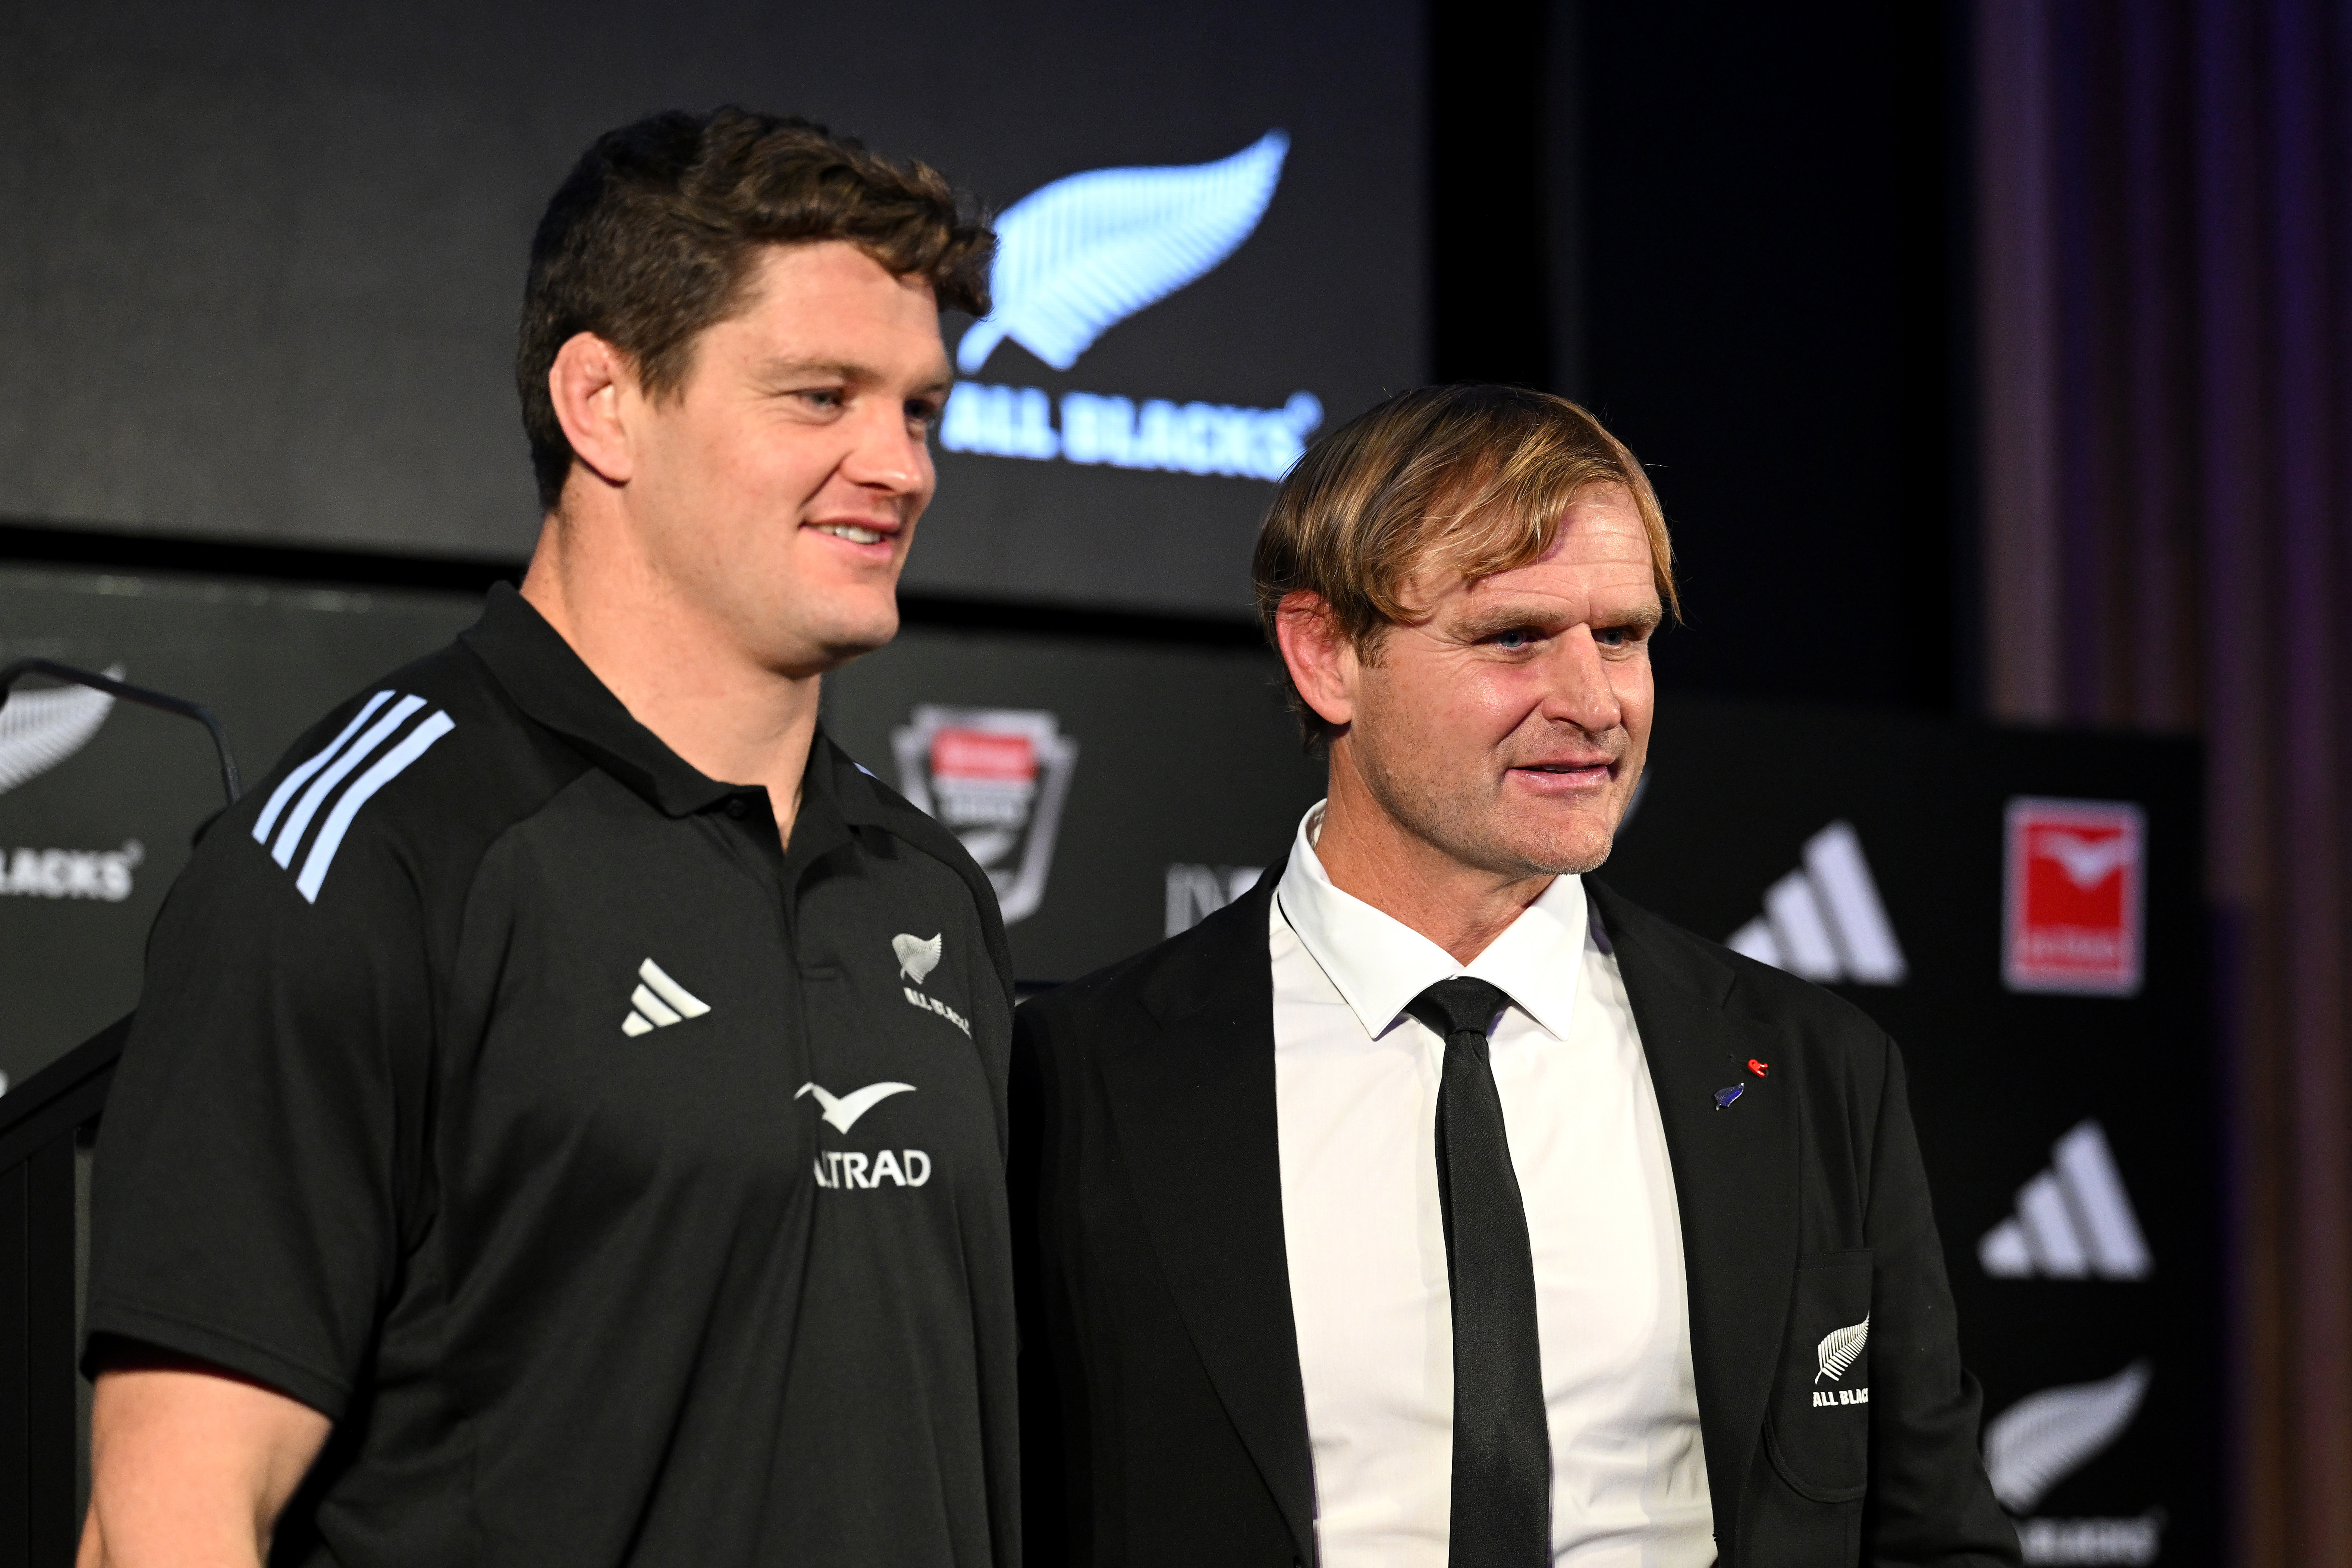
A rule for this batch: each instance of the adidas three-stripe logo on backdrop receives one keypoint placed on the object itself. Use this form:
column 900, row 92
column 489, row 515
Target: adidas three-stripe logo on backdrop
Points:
column 326, row 781
column 2073, row 1221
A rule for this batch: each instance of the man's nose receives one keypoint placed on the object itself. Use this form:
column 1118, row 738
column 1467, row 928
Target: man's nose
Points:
column 1582, row 692
column 886, row 453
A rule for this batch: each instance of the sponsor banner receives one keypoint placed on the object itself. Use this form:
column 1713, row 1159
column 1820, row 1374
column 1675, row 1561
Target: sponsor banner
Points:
column 99, row 799
column 2021, row 914
column 2074, row 895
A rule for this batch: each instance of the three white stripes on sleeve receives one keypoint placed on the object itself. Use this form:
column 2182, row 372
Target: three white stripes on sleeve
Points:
column 321, row 774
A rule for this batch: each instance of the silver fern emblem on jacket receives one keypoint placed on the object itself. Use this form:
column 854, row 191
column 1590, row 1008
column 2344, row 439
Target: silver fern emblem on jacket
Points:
column 39, row 729
column 1076, row 256
column 1838, row 1348
column 2044, row 1437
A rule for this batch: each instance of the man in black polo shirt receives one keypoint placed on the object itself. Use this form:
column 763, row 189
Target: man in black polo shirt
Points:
column 532, row 1149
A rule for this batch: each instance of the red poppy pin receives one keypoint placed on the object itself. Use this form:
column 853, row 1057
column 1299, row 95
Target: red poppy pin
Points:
column 1758, row 1069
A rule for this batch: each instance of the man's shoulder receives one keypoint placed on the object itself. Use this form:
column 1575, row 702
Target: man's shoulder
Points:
column 432, row 761
column 1170, row 979
column 1732, row 981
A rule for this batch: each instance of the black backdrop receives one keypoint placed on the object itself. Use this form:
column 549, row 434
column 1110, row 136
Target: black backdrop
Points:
column 264, row 260
column 1998, row 1077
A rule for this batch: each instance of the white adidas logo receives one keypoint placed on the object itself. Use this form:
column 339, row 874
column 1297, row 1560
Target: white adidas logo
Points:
column 659, row 1003
column 319, row 777
column 1824, row 920
column 2073, row 1221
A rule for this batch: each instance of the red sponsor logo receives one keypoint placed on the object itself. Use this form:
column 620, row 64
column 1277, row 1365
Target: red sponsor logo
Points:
column 978, row 754
column 2074, row 895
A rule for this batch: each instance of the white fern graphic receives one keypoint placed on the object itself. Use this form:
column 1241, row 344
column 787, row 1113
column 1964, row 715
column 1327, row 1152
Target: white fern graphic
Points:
column 1838, row 1348
column 1090, row 251
column 39, row 729
column 2044, row 1437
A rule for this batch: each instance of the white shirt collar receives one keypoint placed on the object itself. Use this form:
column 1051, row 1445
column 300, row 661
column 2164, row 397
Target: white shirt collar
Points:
column 1378, row 963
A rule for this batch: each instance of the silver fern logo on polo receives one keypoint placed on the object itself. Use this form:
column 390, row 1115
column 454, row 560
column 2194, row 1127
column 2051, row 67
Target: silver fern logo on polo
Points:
column 1081, row 254
column 996, row 777
column 917, row 956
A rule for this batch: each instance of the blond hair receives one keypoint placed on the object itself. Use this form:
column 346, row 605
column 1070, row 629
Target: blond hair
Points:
column 1474, row 478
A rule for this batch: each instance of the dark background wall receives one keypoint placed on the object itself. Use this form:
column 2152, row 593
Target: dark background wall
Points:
column 1737, row 234
column 257, row 291
column 262, row 260
column 261, row 279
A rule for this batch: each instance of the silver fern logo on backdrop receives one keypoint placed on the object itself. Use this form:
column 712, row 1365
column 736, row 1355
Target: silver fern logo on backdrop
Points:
column 2035, row 1445
column 1077, row 257
column 39, row 729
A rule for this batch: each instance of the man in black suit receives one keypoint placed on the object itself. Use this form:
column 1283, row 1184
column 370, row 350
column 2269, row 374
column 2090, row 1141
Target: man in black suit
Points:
column 1431, row 1205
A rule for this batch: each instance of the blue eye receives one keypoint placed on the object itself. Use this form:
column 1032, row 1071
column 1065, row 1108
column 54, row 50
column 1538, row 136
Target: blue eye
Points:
column 1514, row 639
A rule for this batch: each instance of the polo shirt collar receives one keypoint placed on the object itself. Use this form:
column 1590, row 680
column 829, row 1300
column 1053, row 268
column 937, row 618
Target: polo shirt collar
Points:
column 1378, row 963
column 549, row 682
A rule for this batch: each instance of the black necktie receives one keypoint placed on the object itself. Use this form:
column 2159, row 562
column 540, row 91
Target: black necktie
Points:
column 1502, row 1447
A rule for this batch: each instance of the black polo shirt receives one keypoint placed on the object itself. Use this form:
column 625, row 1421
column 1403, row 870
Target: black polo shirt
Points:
column 626, row 1184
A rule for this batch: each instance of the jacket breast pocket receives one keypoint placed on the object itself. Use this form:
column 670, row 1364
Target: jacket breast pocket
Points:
column 1818, row 1428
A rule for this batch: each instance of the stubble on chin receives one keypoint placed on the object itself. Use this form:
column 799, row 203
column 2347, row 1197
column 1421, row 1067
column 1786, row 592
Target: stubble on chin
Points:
column 1470, row 822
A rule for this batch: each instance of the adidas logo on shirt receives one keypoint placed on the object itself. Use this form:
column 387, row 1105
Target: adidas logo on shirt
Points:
column 659, row 1002
column 367, row 747
column 2073, row 1221
column 1824, row 920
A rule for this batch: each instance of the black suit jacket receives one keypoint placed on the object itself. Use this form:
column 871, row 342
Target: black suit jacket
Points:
column 1165, row 1421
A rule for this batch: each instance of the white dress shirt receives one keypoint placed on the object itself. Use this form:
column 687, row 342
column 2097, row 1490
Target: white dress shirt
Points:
column 1356, row 1100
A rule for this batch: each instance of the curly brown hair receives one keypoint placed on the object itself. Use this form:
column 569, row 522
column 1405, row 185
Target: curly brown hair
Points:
column 1470, row 478
column 653, row 236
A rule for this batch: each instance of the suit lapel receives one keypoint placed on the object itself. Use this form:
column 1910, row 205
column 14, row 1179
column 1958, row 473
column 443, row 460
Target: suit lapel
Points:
column 1194, row 1104
column 1736, row 1173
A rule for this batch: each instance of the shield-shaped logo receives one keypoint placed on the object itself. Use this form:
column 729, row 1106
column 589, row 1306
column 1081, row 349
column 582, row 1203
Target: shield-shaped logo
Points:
column 996, row 777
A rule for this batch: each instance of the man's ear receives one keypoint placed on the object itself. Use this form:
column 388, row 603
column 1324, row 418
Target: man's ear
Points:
column 1321, row 656
column 586, row 383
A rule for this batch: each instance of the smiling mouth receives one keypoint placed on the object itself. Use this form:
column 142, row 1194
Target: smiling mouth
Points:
column 1583, row 774
column 851, row 531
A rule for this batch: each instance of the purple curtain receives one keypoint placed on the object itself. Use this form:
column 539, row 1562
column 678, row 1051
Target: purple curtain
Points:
column 2165, row 348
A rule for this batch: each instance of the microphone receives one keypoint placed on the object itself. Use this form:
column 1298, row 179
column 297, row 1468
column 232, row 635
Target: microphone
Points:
column 158, row 701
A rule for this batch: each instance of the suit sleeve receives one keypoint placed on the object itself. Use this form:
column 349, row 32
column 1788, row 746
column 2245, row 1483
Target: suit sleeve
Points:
column 1929, row 1501
column 1047, row 1496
